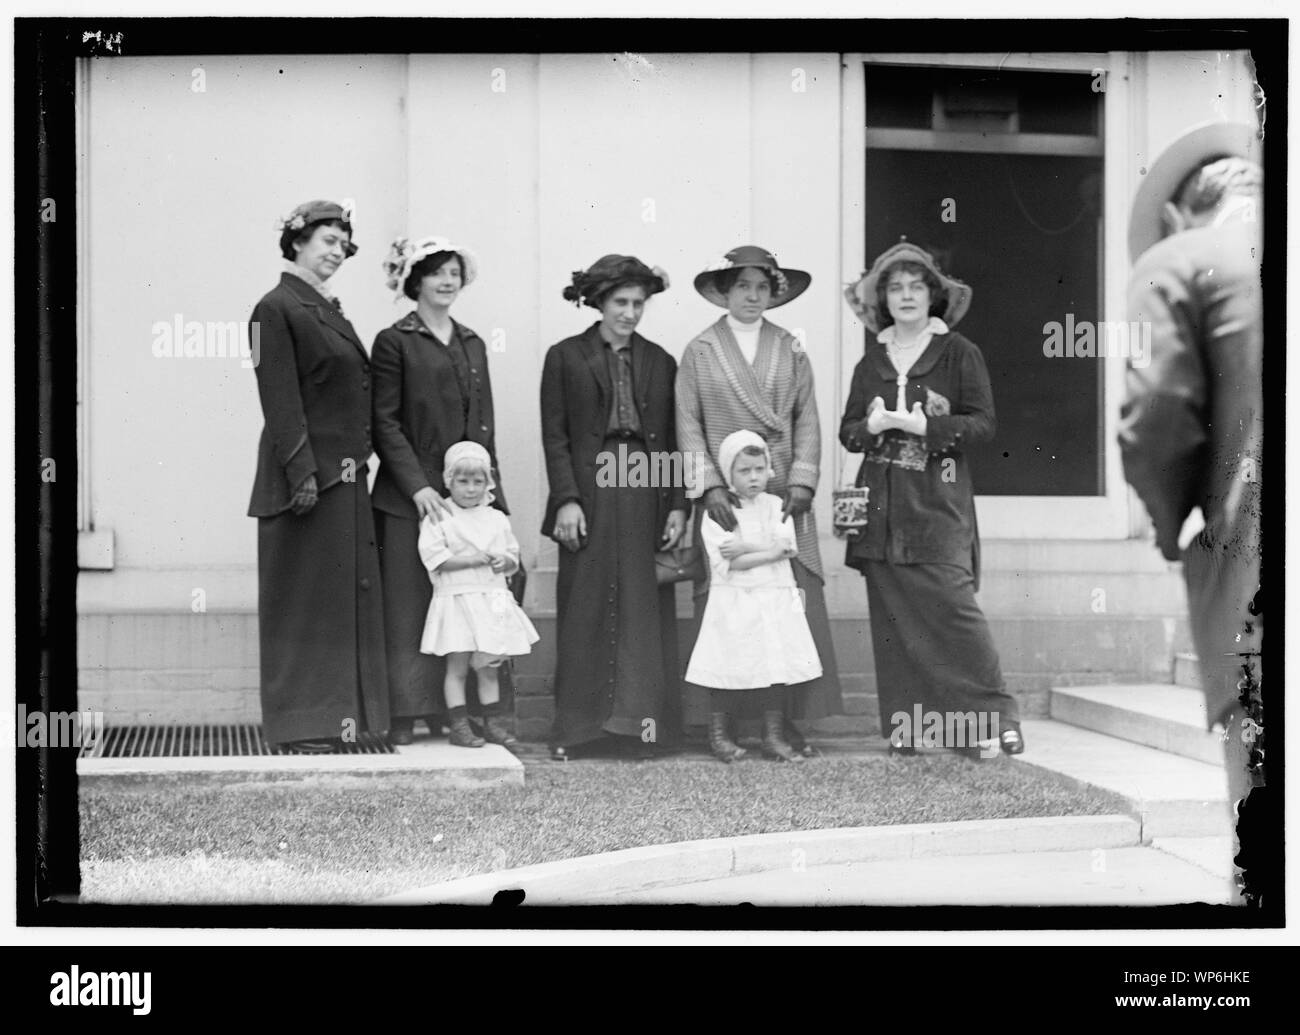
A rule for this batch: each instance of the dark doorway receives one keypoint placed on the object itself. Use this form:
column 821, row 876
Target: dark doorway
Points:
column 1023, row 228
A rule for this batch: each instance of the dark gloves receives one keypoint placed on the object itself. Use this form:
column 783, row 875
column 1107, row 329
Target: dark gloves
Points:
column 305, row 497
column 718, row 501
column 798, row 501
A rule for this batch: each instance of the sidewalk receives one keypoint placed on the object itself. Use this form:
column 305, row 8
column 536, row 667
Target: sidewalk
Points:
column 1134, row 876
column 1080, row 860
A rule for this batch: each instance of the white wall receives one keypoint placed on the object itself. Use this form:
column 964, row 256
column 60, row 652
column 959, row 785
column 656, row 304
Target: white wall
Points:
column 1184, row 88
column 540, row 164
column 183, row 191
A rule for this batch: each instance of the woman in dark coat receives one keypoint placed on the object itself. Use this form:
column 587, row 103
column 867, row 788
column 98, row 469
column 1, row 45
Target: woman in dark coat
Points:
column 320, row 611
column 432, row 390
column 607, row 412
column 918, row 397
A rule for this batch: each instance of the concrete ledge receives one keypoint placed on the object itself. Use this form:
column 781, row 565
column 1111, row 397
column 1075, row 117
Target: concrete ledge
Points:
column 1166, row 717
column 1171, row 795
column 572, row 880
column 437, row 762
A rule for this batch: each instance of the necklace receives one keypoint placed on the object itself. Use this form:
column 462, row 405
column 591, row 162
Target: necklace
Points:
column 895, row 347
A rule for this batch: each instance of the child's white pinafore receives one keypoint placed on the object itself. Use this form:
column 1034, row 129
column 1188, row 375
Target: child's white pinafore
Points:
column 754, row 633
column 472, row 608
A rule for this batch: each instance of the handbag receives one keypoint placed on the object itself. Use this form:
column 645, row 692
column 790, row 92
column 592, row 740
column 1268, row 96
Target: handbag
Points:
column 518, row 584
column 849, row 508
column 684, row 564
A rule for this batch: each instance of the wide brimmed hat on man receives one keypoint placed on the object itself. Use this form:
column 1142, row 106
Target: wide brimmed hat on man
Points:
column 1197, row 147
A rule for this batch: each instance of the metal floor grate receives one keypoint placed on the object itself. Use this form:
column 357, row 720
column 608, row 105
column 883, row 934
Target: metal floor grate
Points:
column 239, row 740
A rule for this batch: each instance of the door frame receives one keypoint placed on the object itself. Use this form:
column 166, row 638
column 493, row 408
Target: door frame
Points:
column 1111, row 515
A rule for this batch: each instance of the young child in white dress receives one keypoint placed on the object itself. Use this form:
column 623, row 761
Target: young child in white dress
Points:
column 754, row 636
column 473, row 618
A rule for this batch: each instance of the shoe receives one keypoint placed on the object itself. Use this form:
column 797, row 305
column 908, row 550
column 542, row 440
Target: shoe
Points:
column 720, row 743
column 312, row 747
column 795, row 738
column 495, row 732
column 901, row 749
column 774, row 744
column 436, row 724
column 1012, row 740
column 462, row 736
column 401, row 732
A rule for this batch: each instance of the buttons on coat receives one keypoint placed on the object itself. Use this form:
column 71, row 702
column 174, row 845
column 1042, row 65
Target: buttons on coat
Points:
column 365, row 583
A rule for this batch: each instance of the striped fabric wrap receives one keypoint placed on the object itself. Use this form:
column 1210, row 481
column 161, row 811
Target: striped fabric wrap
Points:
column 718, row 392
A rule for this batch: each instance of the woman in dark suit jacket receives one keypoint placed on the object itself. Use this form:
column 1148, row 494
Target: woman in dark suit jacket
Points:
column 919, row 397
column 432, row 390
column 608, row 412
column 320, row 613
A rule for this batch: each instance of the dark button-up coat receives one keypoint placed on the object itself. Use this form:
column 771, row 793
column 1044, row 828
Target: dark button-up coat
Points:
column 921, row 505
column 420, row 411
column 576, row 396
column 313, row 377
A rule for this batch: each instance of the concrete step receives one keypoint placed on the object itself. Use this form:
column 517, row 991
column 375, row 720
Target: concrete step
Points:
column 1159, row 715
column 1187, row 669
column 1171, row 796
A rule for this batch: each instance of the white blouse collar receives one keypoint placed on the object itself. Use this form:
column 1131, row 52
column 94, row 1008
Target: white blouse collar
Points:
column 933, row 327
column 744, row 328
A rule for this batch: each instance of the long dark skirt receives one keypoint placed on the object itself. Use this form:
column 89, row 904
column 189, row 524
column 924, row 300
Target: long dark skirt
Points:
column 320, row 620
column 414, row 679
column 815, row 699
column 932, row 645
column 616, row 627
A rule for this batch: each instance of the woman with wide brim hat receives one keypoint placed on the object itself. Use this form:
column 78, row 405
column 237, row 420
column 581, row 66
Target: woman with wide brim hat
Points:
column 432, row 389
column 320, row 613
column 607, row 416
column 744, row 372
column 918, row 398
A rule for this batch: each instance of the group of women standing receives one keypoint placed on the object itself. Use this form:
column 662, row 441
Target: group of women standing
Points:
column 344, row 591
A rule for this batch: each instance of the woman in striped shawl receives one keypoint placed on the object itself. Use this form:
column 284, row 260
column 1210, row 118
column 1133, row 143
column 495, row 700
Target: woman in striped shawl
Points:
column 745, row 373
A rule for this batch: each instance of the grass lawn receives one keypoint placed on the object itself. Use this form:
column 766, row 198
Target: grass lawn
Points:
column 335, row 838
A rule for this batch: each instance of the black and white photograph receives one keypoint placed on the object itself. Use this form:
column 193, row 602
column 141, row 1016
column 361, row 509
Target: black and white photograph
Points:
column 640, row 463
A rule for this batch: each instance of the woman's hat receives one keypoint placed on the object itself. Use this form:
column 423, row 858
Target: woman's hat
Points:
column 609, row 272
column 862, row 298
column 731, row 447
column 320, row 210
column 1195, row 148
column 790, row 284
column 404, row 253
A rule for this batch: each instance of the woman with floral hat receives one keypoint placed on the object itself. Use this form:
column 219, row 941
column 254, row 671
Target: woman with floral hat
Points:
column 607, row 406
column 432, row 390
column 744, row 372
column 918, row 398
column 323, row 674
